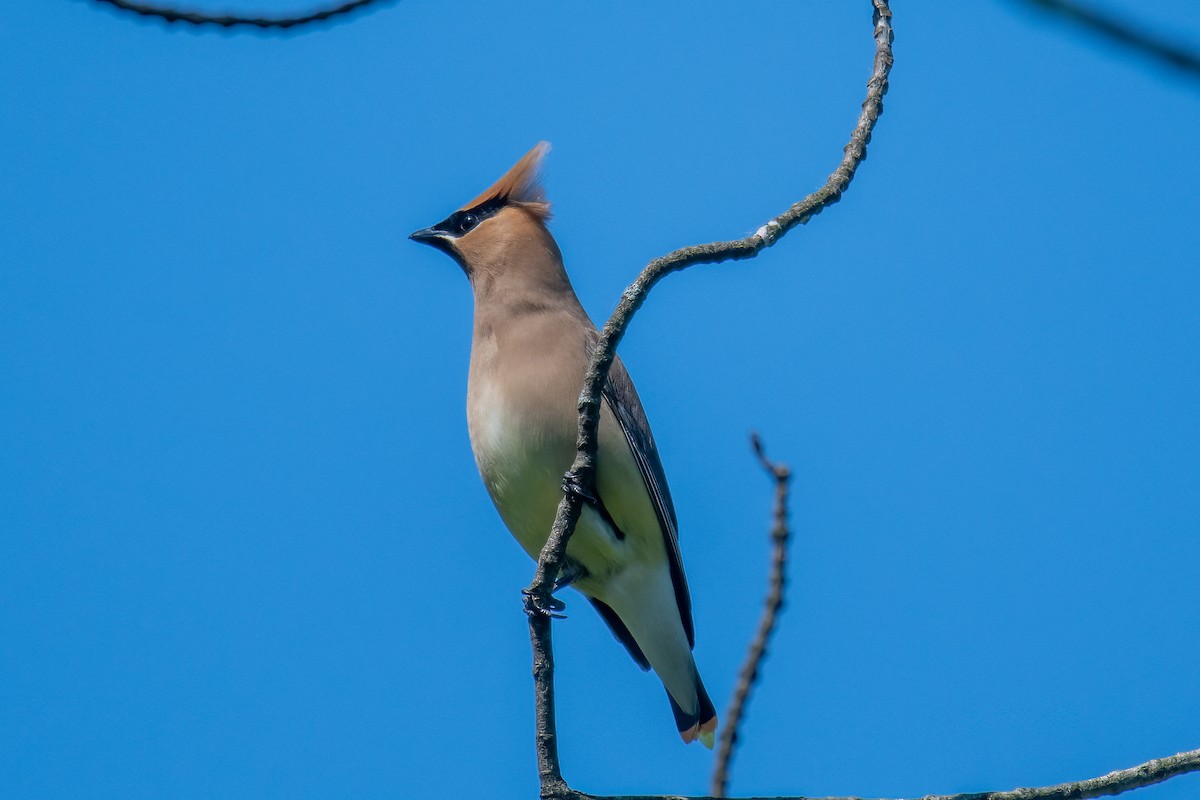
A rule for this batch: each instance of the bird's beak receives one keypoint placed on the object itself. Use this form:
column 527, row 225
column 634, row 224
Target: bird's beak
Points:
column 428, row 236
column 437, row 238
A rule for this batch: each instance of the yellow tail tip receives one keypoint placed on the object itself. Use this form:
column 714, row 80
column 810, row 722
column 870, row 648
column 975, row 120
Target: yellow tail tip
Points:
column 706, row 734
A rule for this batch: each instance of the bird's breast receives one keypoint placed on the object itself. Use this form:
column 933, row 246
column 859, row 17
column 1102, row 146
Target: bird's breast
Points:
column 522, row 418
column 522, row 446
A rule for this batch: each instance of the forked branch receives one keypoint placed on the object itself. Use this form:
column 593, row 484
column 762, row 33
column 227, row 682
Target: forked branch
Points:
column 583, row 470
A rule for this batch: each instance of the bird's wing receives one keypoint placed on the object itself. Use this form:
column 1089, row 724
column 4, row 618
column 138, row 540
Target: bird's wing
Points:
column 622, row 400
column 619, row 629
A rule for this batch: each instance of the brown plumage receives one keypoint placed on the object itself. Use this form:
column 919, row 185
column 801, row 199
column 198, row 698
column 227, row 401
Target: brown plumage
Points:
column 521, row 185
column 531, row 344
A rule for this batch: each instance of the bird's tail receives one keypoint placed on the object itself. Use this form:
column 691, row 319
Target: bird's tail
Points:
column 641, row 608
column 701, row 725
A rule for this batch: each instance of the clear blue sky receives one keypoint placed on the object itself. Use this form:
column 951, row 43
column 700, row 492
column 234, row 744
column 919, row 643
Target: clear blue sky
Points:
column 244, row 552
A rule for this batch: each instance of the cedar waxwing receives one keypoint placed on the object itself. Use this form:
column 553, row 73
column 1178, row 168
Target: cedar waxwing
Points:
column 531, row 345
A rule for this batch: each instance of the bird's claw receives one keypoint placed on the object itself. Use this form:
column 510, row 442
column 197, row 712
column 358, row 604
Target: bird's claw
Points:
column 541, row 603
column 573, row 484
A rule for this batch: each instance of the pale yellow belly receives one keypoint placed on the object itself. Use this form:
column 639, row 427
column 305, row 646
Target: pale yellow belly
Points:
column 522, row 465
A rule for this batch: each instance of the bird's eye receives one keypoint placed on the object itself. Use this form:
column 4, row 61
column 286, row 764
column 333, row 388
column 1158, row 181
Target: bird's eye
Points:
column 467, row 222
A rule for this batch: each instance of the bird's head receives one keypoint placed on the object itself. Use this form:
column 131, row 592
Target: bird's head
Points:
column 501, row 225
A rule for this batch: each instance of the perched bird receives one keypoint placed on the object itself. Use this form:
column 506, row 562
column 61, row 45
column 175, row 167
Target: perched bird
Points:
column 531, row 345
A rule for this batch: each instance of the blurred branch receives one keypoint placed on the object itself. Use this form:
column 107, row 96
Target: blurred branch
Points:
column 538, row 601
column 1125, row 34
column 1139, row 777
column 776, row 584
column 167, row 14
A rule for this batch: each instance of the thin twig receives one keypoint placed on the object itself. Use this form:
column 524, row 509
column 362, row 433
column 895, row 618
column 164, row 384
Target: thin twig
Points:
column 168, row 14
column 583, row 470
column 776, row 583
column 771, row 608
column 1122, row 32
column 1148, row 774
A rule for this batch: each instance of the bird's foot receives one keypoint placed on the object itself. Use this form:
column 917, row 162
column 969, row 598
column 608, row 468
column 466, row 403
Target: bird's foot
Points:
column 573, row 484
column 571, row 571
column 541, row 603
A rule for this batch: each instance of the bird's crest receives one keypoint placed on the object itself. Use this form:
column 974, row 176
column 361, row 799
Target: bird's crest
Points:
column 520, row 186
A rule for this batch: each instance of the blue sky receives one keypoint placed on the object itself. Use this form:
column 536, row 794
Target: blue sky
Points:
column 244, row 552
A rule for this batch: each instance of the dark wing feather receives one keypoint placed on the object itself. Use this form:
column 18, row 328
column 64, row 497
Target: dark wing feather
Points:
column 617, row 626
column 622, row 400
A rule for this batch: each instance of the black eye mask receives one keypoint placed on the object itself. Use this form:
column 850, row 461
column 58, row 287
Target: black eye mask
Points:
column 460, row 223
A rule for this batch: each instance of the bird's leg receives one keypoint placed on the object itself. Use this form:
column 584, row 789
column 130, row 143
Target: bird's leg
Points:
column 547, row 604
column 573, row 484
column 543, row 604
column 571, row 571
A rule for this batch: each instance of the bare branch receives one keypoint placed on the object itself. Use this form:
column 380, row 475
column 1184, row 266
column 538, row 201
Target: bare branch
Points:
column 168, row 14
column 583, row 470
column 766, row 625
column 1122, row 32
column 549, row 773
column 1141, row 776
